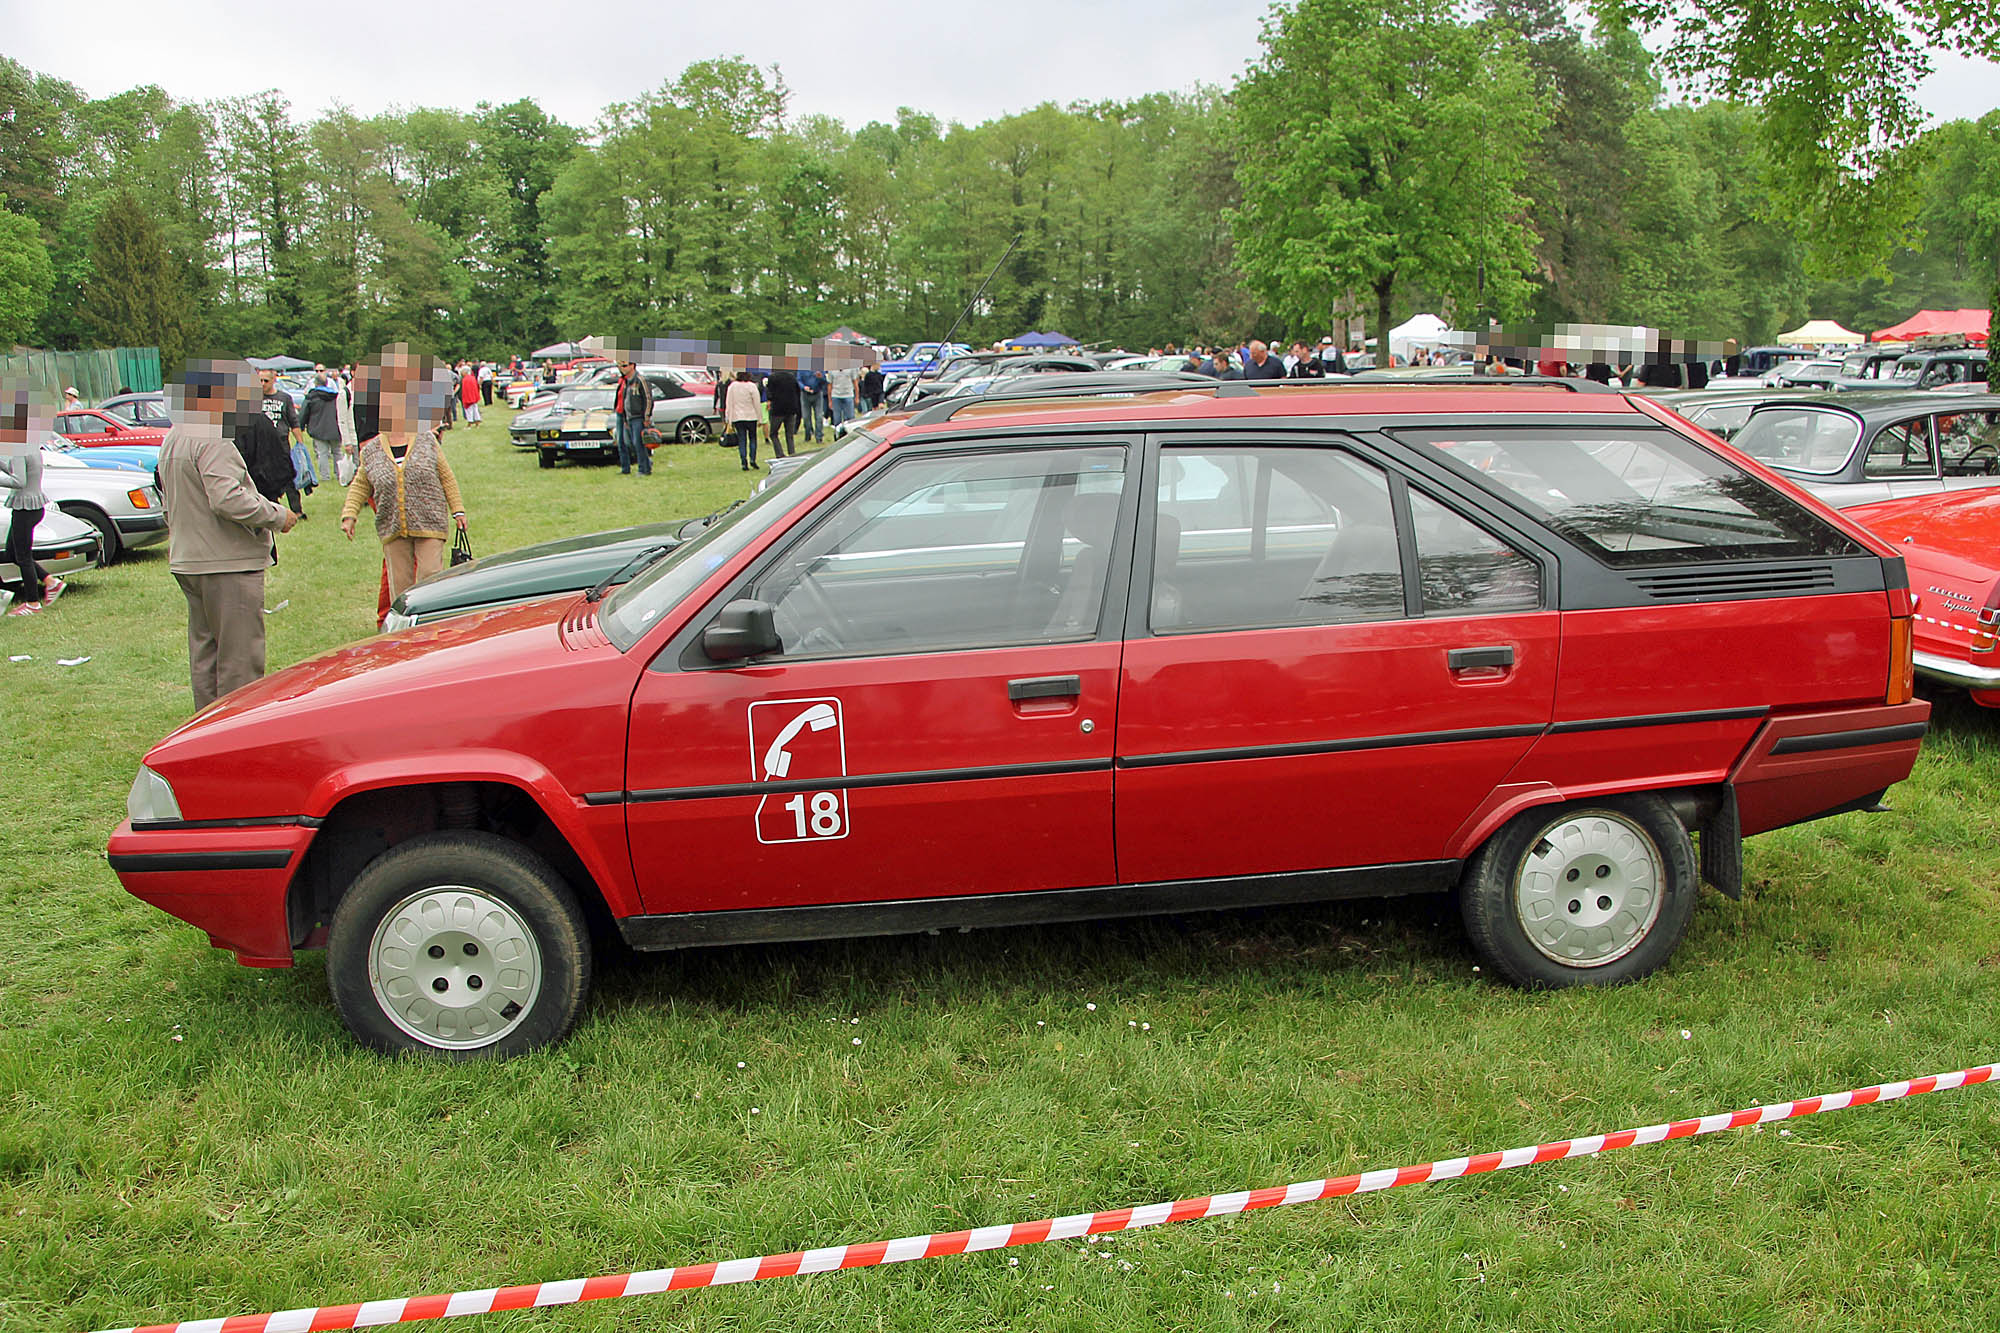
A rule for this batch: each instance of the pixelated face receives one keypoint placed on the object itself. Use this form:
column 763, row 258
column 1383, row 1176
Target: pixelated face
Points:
column 413, row 390
column 27, row 413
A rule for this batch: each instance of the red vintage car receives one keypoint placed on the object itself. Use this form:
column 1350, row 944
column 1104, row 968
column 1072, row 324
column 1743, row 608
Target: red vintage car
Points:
column 1951, row 544
column 1068, row 652
column 91, row 427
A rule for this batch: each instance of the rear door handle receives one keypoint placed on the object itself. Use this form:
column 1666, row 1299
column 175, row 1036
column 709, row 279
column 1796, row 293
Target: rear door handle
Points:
column 1045, row 687
column 1467, row 659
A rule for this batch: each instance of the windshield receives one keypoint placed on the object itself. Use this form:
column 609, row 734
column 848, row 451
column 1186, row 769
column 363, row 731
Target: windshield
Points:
column 1817, row 440
column 632, row 610
column 587, row 399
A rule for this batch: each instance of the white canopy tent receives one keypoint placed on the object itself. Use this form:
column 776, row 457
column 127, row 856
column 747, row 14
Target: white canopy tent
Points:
column 1421, row 331
column 1821, row 333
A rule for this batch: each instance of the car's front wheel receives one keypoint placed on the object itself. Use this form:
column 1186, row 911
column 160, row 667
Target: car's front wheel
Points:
column 458, row 944
column 693, row 429
column 109, row 545
column 1590, row 894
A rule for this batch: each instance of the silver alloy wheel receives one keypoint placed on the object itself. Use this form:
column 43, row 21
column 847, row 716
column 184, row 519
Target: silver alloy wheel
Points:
column 454, row 967
column 1589, row 890
column 692, row 429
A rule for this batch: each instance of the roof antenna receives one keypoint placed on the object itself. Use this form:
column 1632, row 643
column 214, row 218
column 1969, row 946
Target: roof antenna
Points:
column 910, row 389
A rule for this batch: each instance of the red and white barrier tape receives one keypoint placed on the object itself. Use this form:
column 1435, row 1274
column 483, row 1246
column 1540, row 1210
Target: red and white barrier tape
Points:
column 572, row 1291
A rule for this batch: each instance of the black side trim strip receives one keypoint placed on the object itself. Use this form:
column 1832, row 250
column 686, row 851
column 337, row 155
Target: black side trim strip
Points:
column 604, row 798
column 1657, row 719
column 678, row 930
column 1847, row 740
column 140, row 863
column 261, row 821
column 1327, row 747
column 868, row 780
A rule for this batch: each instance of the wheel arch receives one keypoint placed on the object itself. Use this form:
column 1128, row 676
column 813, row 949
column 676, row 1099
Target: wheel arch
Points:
column 364, row 813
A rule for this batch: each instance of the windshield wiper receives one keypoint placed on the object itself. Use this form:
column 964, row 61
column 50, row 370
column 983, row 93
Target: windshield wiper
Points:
column 630, row 569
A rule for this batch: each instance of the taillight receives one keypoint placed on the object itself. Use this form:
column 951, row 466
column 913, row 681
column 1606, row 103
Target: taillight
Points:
column 1985, row 634
column 1902, row 660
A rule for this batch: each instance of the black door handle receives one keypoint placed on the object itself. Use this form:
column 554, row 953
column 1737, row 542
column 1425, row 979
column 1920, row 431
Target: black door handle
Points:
column 1465, row 659
column 1045, row 687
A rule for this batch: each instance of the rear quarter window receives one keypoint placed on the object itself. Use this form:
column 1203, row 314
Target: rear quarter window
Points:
column 1635, row 497
column 1813, row 440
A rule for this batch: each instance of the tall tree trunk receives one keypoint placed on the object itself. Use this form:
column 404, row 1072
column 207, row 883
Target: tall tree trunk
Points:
column 1383, row 286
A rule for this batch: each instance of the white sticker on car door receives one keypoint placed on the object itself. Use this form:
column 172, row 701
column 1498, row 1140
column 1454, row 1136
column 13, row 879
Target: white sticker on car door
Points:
column 799, row 741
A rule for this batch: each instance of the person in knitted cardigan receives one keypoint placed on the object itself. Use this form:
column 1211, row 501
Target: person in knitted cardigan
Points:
column 403, row 470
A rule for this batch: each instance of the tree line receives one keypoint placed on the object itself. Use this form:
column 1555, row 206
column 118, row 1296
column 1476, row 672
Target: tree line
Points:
column 1377, row 160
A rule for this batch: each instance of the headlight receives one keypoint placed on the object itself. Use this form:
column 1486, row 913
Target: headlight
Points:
column 152, row 799
column 552, row 435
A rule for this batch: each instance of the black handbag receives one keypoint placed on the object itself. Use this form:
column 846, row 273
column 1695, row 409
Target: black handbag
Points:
column 461, row 549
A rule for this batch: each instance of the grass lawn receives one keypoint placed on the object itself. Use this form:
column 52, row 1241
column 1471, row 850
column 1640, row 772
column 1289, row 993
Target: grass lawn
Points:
column 184, row 1138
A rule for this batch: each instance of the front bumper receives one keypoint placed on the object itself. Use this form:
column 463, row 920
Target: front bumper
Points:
column 230, row 881
column 139, row 530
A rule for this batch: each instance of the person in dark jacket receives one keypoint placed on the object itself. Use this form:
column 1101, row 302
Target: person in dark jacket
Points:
column 1305, row 366
column 782, row 395
column 871, row 387
column 1261, row 364
column 321, row 419
column 632, row 407
column 260, row 436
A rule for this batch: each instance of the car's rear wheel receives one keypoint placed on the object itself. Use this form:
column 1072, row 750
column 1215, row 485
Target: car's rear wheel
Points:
column 693, row 429
column 1590, row 894
column 548, row 457
column 458, row 945
column 109, row 546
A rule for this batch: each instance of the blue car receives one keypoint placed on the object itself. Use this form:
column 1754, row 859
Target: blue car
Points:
column 923, row 355
column 121, row 457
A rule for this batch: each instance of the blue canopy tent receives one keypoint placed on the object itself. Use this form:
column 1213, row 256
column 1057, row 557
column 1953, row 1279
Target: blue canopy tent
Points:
column 279, row 363
column 1049, row 339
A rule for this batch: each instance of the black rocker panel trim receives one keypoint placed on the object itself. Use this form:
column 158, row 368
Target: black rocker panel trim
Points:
column 768, row 925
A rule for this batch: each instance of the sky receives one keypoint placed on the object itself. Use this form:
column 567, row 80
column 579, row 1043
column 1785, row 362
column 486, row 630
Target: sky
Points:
column 858, row 63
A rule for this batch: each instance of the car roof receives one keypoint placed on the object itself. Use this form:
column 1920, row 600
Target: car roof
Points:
column 1874, row 406
column 1103, row 403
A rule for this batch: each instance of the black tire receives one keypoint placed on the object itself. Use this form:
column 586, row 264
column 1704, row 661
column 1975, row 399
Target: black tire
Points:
column 693, row 429
column 483, row 919
column 109, row 546
column 1590, row 894
column 548, row 457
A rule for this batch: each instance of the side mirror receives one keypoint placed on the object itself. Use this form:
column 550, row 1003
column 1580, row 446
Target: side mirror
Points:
column 742, row 629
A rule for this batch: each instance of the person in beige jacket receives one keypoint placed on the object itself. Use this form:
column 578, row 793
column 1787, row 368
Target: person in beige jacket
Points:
column 218, row 530
column 404, row 472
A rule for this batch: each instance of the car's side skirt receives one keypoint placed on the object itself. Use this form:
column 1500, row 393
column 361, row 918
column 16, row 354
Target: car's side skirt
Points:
column 770, row 925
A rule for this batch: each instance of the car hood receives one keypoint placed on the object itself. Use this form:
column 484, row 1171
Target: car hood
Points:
column 465, row 692
column 539, row 570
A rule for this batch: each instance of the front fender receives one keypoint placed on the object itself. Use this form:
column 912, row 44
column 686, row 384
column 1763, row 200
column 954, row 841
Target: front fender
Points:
column 592, row 831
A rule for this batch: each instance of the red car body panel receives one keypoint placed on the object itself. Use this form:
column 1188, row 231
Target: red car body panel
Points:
column 1951, row 543
column 1175, row 757
column 1367, row 789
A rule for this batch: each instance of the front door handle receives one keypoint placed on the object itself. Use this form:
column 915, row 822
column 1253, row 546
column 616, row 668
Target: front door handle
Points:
column 1468, row 659
column 1045, row 687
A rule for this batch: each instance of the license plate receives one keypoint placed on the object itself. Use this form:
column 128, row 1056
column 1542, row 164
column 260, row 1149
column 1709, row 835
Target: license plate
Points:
column 584, row 444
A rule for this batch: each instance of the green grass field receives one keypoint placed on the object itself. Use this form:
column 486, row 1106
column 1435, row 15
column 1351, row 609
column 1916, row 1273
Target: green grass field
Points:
column 184, row 1138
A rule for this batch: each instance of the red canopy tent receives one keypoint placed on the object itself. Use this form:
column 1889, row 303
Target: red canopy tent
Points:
column 1971, row 324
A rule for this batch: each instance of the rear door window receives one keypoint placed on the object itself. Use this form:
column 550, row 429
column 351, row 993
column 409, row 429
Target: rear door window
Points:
column 1635, row 497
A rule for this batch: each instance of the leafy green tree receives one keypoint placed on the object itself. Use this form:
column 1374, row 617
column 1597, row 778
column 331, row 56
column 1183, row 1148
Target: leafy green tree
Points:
column 1835, row 81
column 1380, row 143
column 37, row 140
column 25, row 275
column 526, row 149
column 137, row 294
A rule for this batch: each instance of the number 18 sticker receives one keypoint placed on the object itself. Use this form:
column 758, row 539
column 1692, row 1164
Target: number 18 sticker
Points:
column 799, row 740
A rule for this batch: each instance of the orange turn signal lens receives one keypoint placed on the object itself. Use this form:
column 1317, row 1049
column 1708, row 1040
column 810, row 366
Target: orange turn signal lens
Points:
column 1902, row 660
column 139, row 499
